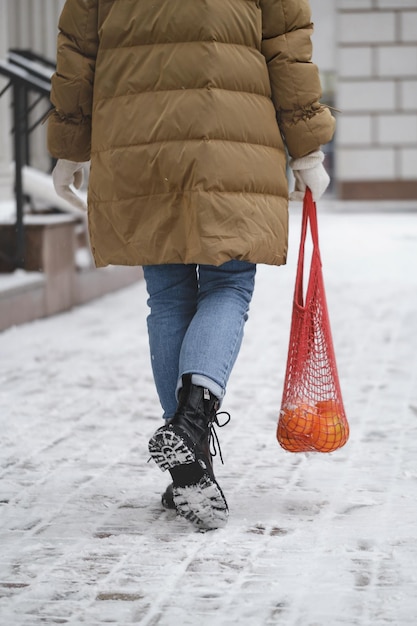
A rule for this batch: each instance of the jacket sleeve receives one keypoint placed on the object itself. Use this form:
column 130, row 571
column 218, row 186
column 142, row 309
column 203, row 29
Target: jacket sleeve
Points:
column 295, row 83
column 69, row 125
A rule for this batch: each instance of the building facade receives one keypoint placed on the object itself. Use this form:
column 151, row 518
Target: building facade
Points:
column 376, row 143
column 367, row 53
column 24, row 24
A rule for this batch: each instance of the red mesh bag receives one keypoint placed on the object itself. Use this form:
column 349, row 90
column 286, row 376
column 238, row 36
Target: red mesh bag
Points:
column 312, row 416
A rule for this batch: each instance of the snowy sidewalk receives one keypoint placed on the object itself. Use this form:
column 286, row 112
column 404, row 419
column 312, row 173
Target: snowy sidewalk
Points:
column 312, row 540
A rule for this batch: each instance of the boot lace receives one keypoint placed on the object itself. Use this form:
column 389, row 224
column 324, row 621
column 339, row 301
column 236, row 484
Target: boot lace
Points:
column 214, row 443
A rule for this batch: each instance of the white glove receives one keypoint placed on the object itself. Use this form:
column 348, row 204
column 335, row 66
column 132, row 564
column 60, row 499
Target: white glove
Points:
column 309, row 172
column 68, row 173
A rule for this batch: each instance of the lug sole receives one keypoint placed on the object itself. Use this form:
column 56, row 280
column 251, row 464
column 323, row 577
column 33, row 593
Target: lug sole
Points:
column 197, row 495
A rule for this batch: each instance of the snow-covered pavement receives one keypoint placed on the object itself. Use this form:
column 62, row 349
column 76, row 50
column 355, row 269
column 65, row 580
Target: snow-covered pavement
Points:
column 312, row 540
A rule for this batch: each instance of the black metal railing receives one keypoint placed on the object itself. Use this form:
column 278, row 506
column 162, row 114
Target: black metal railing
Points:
column 29, row 76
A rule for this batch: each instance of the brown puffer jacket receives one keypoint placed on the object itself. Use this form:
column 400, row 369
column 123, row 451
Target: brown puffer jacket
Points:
column 176, row 103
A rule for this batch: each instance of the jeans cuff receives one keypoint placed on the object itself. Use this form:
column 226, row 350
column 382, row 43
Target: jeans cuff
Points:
column 204, row 381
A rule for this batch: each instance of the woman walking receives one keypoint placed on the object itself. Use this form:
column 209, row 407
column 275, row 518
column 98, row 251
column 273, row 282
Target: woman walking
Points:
column 186, row 110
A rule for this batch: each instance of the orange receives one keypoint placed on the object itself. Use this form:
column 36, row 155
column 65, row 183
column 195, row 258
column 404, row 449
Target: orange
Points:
column 295, row 426
column 291, row 443
column 298, row 418
column 329, row 429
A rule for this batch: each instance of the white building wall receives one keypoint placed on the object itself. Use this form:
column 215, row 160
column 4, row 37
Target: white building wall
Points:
column 324, row 37
column 376, row 140
column 33, row 24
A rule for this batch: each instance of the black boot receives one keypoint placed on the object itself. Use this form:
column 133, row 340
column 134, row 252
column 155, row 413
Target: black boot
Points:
column 167, row 498
column 183, row 447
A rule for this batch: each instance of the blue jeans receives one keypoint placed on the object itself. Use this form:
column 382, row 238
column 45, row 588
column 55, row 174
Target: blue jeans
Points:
column 196, row 324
